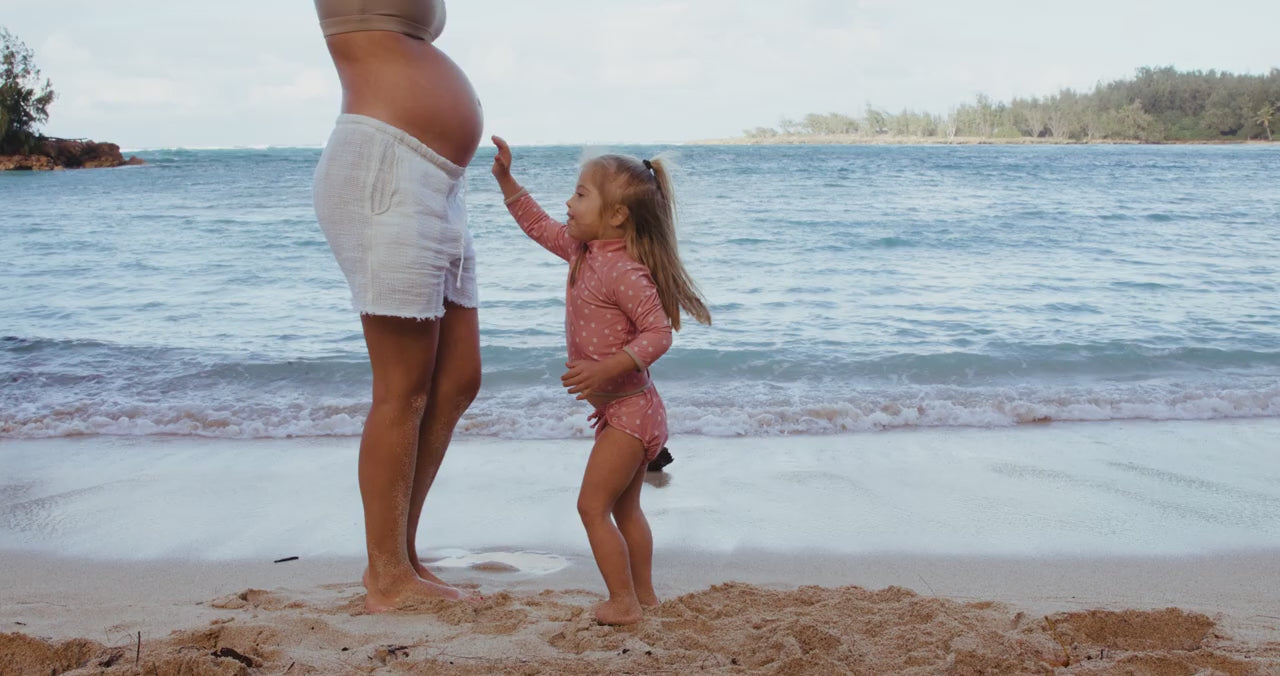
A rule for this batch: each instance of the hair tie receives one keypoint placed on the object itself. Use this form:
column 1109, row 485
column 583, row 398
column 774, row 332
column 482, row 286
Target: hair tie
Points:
column 648, row 165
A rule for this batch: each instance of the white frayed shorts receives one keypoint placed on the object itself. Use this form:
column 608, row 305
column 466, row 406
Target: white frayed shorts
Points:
column 393, row 212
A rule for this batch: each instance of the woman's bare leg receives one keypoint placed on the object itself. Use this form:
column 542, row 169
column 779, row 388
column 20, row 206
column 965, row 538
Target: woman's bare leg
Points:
column 610, row 471
column 402, row 355
column 453, row 388
column 635, row 530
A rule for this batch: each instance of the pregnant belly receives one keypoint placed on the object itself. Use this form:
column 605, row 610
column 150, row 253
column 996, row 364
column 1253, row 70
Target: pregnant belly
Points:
column 415, row 87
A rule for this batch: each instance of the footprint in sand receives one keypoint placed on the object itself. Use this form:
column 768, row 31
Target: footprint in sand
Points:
column 256, row 599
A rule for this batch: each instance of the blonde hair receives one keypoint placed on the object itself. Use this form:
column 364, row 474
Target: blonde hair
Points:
column 644, row 188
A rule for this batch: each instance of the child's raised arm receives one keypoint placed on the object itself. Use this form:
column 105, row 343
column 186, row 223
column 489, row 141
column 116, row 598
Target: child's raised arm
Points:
column 544, row 230
column 502, row 171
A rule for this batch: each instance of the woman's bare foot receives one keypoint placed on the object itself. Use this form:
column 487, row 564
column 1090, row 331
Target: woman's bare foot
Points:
column 427, row 574
column 616, row 613
column 418, row 568
column 386, row 596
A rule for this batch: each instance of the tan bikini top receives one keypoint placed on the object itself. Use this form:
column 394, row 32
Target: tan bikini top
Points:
column 422, row 19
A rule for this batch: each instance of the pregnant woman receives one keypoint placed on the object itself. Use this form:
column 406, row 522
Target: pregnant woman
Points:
column 389, row 196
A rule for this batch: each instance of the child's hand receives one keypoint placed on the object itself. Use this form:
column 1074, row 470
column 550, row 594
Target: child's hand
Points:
column 584, row 377
column 501, row 160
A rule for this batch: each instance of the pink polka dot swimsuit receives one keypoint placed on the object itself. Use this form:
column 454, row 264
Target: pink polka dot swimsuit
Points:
column 612, row 306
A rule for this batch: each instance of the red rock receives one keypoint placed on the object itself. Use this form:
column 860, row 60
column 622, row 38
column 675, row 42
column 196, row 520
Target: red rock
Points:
column 58, row 153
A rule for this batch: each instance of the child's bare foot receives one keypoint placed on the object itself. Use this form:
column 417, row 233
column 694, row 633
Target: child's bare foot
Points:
column 614, row 612
column 385, row 596
column 647, row 597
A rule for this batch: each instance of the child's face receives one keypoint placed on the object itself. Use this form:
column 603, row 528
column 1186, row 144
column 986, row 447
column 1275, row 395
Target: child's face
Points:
column 587, row 215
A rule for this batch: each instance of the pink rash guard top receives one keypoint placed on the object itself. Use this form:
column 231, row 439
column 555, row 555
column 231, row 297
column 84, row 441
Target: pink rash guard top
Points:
column 614, row 304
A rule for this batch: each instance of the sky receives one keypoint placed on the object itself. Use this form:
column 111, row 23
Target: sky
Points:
column 229, row 73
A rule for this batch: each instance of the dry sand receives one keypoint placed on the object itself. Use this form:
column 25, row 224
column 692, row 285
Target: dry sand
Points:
column 140, row 619
column 728, row 628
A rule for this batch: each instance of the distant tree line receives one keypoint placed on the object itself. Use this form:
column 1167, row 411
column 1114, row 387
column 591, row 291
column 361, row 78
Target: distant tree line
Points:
column 1157, row 105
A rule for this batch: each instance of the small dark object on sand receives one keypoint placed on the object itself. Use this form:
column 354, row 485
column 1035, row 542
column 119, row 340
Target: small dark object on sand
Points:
column 235, row 655
column 285, row 559
column 664, row 458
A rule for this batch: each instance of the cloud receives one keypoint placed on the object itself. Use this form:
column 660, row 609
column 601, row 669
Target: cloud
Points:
column 142, row 91
column 849, row 40
column 657, row 73
column 307, row 85
column 62, row 48
column 496, row 62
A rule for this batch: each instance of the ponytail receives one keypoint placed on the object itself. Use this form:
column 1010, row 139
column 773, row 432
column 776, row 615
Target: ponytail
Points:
column 649, row 196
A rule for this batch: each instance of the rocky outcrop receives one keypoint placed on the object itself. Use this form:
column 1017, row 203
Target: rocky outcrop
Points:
column 31, row 162
column 61, row 153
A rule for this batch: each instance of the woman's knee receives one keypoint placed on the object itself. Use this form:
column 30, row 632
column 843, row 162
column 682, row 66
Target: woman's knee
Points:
column 458, row 359
column 466, row 385
column 454, row 392
column 408, row 401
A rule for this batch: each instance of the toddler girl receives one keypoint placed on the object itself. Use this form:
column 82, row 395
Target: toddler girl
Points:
column 626, row 289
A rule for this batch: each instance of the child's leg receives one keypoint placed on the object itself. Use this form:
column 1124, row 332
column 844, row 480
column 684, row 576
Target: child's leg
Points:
column 610, row 471
column 635, row 530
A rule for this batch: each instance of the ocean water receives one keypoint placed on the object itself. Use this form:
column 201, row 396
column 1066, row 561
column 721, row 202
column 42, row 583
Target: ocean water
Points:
column 853, row 289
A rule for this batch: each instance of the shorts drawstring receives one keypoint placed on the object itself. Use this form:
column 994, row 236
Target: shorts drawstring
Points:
column 462, row 258
column 460, row 191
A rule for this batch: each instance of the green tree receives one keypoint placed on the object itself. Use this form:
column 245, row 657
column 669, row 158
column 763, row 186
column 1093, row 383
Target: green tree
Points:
column 984, row 116
column 951, row 124
column 1134, row 122
column 967, row 121
column 831, row 123
column 24, row 100
column 877, row 120
column 1223, row 112
column 1265, row 116
column 1093, row 121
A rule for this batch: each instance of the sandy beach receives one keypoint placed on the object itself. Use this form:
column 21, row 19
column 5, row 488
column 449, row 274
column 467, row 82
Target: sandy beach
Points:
column 1143, row 548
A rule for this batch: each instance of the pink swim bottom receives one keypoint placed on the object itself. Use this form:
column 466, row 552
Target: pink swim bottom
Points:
column 640, row 415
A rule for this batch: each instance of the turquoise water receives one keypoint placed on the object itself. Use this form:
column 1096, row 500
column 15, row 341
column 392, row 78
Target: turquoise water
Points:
column 853, row 288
